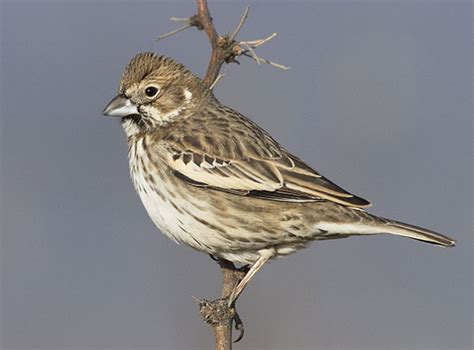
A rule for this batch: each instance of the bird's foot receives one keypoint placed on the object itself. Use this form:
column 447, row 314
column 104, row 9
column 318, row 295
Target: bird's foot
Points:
column 239, row 326
column 219, row 313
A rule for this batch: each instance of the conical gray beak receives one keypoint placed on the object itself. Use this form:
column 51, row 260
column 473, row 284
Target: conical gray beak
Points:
column 120, row 106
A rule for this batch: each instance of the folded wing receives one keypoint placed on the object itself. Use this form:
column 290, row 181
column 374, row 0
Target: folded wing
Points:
column 235, row 155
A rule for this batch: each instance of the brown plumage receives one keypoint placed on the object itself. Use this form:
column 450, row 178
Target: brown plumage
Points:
column 212, row 179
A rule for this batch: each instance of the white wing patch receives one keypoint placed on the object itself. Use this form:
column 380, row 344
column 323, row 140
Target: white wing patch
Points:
column 288, row 178
column 226, row 174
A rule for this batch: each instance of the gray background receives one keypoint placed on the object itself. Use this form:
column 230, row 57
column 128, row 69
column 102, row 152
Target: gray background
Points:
column 379, row 99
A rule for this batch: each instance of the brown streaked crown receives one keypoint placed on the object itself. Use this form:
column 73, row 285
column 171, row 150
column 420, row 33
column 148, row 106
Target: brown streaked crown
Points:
column 153, row 66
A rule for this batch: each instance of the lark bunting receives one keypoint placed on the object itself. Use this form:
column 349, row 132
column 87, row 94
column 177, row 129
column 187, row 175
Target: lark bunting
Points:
column 212, row 179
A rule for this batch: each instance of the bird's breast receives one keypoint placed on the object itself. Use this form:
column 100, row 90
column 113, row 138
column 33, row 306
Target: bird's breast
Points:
column 176, row 212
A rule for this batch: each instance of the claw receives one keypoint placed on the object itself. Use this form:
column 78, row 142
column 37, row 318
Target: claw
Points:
column 239, row 326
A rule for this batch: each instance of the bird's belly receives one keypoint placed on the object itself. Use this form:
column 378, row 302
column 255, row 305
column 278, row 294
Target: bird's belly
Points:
column 169, row 211
column 177, row 212
column 216, row 223
column 189, row 220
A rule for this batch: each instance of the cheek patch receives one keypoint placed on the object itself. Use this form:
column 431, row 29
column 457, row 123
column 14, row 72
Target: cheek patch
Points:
column 160, row 115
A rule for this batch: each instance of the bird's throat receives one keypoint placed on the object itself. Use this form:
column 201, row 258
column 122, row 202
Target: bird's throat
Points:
column 133, row 124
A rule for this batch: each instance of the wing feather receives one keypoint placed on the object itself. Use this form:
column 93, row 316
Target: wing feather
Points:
column 235, row 155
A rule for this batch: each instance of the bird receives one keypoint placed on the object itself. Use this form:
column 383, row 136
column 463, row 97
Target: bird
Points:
column 212, row 179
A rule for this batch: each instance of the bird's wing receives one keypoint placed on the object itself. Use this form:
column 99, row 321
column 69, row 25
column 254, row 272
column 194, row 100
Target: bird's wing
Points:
column 238, row 156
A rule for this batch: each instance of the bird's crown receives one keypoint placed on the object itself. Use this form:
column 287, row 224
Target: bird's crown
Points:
column 158, row 67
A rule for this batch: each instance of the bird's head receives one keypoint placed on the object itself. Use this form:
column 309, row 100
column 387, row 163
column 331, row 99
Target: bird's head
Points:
column 155, row 90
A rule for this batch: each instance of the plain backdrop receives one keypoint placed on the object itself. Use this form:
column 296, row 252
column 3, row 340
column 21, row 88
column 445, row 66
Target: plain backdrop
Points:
column 378, row 98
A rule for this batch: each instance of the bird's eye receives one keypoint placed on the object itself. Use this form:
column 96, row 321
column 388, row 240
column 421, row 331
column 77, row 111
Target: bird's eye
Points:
column 151, row 91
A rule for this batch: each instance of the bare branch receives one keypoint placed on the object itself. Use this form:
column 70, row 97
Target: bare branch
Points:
column 259, row 42
column 264, row 60
column 241, row 23
column 179, row 19
column 274, row 64
column 251, row 51
column 192, row 21
column 225, row 49
column 206, row 21
column 216, row 60
column 180, row 29
column 219, row 77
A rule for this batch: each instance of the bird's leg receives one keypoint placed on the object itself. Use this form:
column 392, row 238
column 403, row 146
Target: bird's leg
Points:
column 248, row 272
column 248, row 276
column 219, row 312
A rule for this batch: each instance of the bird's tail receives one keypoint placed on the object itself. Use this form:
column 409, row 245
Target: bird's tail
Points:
column 415, row 232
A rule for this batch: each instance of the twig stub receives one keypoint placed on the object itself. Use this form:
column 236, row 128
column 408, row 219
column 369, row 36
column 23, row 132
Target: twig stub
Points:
column 216, row 312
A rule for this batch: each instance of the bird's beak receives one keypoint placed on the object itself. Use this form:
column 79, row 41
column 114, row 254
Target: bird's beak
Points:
column 120, row 106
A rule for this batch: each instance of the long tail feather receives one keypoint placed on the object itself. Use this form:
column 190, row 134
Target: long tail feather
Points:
column 418, row 233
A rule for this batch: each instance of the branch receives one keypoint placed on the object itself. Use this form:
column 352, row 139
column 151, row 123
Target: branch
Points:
column 251, row 45
column 218, row 314
column 225, row 48
column 217, row 43
column 192, row 21
column 241, row 23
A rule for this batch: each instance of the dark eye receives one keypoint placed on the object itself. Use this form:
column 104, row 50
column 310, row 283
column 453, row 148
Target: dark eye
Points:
column 151, row 91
